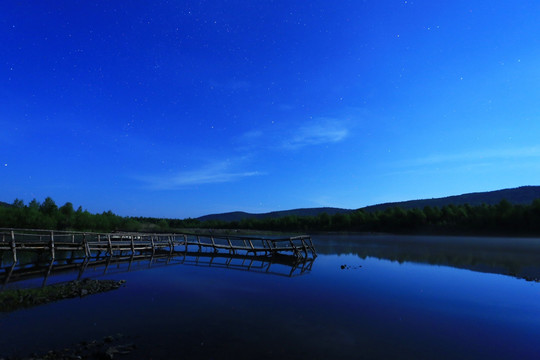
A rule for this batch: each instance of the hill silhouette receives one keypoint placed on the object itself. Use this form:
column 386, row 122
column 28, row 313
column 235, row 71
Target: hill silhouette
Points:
column 516, row 196
column 239, row 215
column 520, row 195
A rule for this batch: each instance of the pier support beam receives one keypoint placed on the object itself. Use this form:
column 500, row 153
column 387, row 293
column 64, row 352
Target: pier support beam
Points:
column 110, row 245
column 13, row 247
column 51, row 245
column 86, row 247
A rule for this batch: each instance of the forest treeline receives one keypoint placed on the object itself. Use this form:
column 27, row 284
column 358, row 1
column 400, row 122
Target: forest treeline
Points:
column 503, row 218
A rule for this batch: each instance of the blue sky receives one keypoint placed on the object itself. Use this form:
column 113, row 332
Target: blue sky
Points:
column 185, row 108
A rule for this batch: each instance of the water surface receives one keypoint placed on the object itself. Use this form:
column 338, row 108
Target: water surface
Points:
column 363, row 297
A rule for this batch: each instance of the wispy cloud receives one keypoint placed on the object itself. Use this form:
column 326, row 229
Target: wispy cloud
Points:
column 219, row 172
column 322, row 131
column 475, row 156
column 252, row 135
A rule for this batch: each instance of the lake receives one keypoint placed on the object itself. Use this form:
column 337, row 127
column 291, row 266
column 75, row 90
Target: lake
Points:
column 363, row 297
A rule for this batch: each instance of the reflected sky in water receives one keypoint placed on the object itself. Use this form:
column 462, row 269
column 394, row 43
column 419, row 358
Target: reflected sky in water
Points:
column 374, row 308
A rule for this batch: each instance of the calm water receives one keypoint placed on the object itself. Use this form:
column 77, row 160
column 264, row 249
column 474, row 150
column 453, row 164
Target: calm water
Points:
column 398, row 297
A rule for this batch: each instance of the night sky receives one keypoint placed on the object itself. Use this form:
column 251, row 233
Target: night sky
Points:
column 185, row 108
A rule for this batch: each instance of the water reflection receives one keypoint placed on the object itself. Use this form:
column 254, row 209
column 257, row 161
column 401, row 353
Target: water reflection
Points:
column 72, row 264
column 517, row 257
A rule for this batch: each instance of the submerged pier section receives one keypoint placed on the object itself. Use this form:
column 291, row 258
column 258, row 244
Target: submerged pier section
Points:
column 123, row 243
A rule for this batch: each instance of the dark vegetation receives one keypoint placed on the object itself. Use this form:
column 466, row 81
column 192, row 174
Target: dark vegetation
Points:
column 518, row 196
column 15, row 299
column 240, row 215
column 48, row 215
column 503, row 218
column 107, row 348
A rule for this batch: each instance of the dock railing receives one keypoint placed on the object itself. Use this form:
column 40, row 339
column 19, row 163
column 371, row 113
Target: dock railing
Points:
column 122, row 243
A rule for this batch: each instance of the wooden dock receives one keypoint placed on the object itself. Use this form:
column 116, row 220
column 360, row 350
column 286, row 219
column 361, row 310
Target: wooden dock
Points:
column 120, row 244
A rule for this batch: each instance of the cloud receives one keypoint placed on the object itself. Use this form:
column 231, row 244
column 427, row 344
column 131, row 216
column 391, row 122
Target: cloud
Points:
column 475, row 156
column 252, row 135
column 220, row 172
column 323, row 131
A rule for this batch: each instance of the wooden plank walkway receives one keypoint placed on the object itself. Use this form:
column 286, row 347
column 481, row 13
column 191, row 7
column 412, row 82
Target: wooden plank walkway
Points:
column 111, row 244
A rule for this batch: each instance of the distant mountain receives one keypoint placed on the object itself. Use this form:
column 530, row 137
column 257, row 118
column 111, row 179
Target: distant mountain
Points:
column 239, row 215
column 520, row 195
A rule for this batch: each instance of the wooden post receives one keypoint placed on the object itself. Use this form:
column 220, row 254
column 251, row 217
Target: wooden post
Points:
column 295, row 249
column 107, row 263
column 132, row 246
column 9, row 274
column 304, row 247
column 312, row 248
column 153, row 248
column 264, row 247
column 130, row 261
column 86, row 247
column 213, row 244
column 13, row 247
column 199, row 242
column 83, row 268
column 231, row 245
column 185, row 241
column 110, row 244
column 52, row 246
column 292, row 270
column 171, row 245
column 48, row 273
column 73, row 238
column 269, row 246
column 252, row 247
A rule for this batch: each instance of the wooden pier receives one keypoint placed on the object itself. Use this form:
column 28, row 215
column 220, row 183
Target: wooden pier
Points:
column 120, row 244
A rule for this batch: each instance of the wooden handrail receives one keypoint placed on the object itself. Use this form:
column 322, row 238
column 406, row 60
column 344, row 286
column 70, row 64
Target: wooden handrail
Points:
column 53, row 240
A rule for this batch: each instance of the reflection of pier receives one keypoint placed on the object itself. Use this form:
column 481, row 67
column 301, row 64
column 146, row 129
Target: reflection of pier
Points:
column 114, row 244
column 95, row 266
